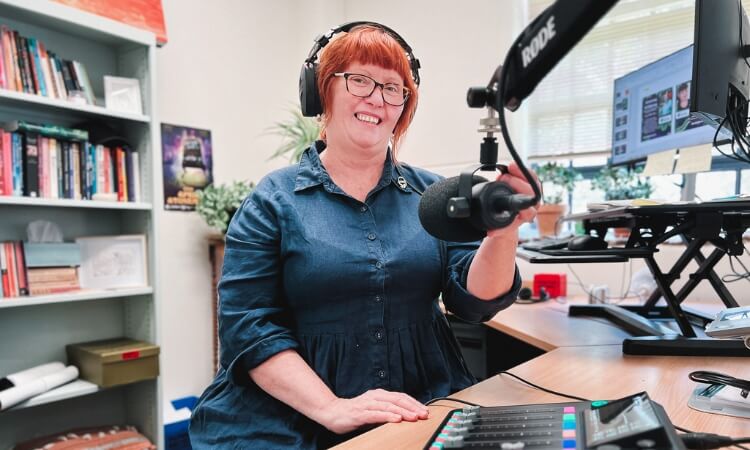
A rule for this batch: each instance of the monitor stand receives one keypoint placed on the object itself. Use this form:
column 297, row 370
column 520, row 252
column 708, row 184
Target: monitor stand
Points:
column 653, row 338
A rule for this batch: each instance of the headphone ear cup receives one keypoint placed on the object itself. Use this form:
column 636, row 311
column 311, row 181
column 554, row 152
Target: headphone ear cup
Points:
column 308, row 91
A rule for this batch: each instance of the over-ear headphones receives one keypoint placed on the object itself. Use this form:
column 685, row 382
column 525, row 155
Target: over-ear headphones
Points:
column 525, row 295
column 309, row 97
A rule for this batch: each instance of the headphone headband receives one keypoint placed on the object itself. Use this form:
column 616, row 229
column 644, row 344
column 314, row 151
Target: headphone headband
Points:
column 323, row 40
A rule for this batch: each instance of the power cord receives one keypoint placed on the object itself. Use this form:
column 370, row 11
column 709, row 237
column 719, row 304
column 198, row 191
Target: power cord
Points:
column 704, row 376
column 692, row 440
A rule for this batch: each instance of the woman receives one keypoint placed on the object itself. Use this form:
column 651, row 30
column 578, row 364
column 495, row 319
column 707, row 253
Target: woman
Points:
column 329, row 317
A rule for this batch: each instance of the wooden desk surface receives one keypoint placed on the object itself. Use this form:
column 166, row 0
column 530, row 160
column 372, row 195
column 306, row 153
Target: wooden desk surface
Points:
column 590, row 372
column 547, row 326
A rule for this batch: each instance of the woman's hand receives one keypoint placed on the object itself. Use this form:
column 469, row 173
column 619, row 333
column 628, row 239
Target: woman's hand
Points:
column 515, row 179
column 373, row 407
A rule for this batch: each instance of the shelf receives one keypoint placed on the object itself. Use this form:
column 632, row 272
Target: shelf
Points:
column 89, row 26
column 73, row 389
column 76, row 296
column 65, row 203
column 40, row 103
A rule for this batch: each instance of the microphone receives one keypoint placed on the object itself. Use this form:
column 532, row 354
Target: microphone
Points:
column 492, row 205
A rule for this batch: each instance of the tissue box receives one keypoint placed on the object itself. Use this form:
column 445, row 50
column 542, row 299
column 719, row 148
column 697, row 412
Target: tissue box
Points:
column 115, row 361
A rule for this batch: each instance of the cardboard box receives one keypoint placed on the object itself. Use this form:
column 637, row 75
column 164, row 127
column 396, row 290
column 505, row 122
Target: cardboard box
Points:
column 115, row 361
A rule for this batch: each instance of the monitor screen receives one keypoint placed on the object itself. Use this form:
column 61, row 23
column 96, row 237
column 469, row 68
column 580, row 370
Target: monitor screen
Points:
column 651, row 110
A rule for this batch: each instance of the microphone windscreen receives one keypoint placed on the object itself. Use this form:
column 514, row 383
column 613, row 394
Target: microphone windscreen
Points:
column 433, row 212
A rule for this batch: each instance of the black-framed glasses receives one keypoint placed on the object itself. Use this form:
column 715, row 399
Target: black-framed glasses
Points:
column 363, row 86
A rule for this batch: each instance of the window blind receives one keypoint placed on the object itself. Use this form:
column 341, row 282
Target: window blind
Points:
column 570, row 112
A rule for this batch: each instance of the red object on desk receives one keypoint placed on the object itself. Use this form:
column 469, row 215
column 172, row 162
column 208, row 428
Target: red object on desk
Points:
column 556, row 284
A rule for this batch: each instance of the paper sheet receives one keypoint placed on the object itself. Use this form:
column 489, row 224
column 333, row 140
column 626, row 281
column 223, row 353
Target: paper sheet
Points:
column 659, row 163
column 694, row 159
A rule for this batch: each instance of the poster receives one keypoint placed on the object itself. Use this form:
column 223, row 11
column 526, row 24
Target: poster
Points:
column 187, row 164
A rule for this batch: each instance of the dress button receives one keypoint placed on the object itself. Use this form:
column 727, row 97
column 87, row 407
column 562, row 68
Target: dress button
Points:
column 379, row 265
column 379, row 335
column 371, row 236
column 378, row 299
column 381, row 374
column 363, row 208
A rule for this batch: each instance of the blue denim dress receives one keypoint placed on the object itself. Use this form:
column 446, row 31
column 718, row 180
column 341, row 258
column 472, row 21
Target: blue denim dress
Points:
column 352, row 287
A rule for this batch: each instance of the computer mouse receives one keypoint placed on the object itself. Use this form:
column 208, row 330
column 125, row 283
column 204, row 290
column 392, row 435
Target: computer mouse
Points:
column 587, row 242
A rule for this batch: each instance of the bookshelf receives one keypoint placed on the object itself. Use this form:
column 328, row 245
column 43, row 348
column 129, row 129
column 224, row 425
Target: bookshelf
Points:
column 35, row 330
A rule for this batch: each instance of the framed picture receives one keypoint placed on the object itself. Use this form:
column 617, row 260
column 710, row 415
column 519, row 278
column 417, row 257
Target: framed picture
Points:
column 112, row 262
column 122, row 94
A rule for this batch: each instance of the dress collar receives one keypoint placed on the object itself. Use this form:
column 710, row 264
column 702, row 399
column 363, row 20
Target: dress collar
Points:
column 310, row 171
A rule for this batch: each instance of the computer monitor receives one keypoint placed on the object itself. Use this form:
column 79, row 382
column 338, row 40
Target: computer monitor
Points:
column 721, row 71
column 651, row 110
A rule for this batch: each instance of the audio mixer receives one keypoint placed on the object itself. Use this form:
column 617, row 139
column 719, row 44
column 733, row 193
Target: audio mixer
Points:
column 634, row 422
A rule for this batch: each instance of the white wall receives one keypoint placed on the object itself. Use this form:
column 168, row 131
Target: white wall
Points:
column 231, row 66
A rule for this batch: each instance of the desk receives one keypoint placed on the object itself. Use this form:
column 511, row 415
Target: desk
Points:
column 548, row 326
column 601, row 372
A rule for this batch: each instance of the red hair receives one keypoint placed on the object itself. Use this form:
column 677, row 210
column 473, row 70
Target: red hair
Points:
column 367, row 44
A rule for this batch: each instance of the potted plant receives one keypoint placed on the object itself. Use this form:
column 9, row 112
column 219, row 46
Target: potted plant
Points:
column 217, row 204
column 557, row 181
column 297, row 133
column 619, row 183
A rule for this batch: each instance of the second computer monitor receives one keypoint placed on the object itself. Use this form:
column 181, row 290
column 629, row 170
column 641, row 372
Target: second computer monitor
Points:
column 651, row 110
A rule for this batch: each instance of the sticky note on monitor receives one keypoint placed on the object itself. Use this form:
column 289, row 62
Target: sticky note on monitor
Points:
column 694, row 159
column 660, row 163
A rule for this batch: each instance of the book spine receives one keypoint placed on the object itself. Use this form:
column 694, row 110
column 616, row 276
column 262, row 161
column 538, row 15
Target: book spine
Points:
column 69, row 85
column 23, row 283
column 54, row 168
column 16, row 60
column 10, row 258
column 65, row 163
column 129, row 174
column 44, row 58
column 113, row 174
column 43, row 167
column 29, row 65
column 3, row 151
column 10, row 62
column 18, row 175
column 52, row 274
column 76, row 170
column 31, row 166
column 8, row 162
column 37, row 65
column 73, row 76
column 136, row 176
column 54, row 289
column 4, row 271
column 55, row 63
column 3, row 71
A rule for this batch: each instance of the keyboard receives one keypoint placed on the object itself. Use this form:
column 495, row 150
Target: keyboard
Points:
column 548, row 244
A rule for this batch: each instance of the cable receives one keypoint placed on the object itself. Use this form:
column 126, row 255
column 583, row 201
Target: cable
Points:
column 710, row 440
column 704, row 376
column 452, row 400
column 504, row 372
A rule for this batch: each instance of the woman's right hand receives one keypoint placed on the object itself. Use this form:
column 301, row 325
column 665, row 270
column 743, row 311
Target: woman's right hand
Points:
column 373, row 407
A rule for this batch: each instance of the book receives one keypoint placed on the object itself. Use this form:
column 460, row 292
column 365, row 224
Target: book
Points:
column 31, row 165
column 52, row 274
column 17, row 161
column 4, row 272
column 23, row 281
column 54, row 168
column 7, row 163
column 55, row 131
column 36, row 64
column 2, row 162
